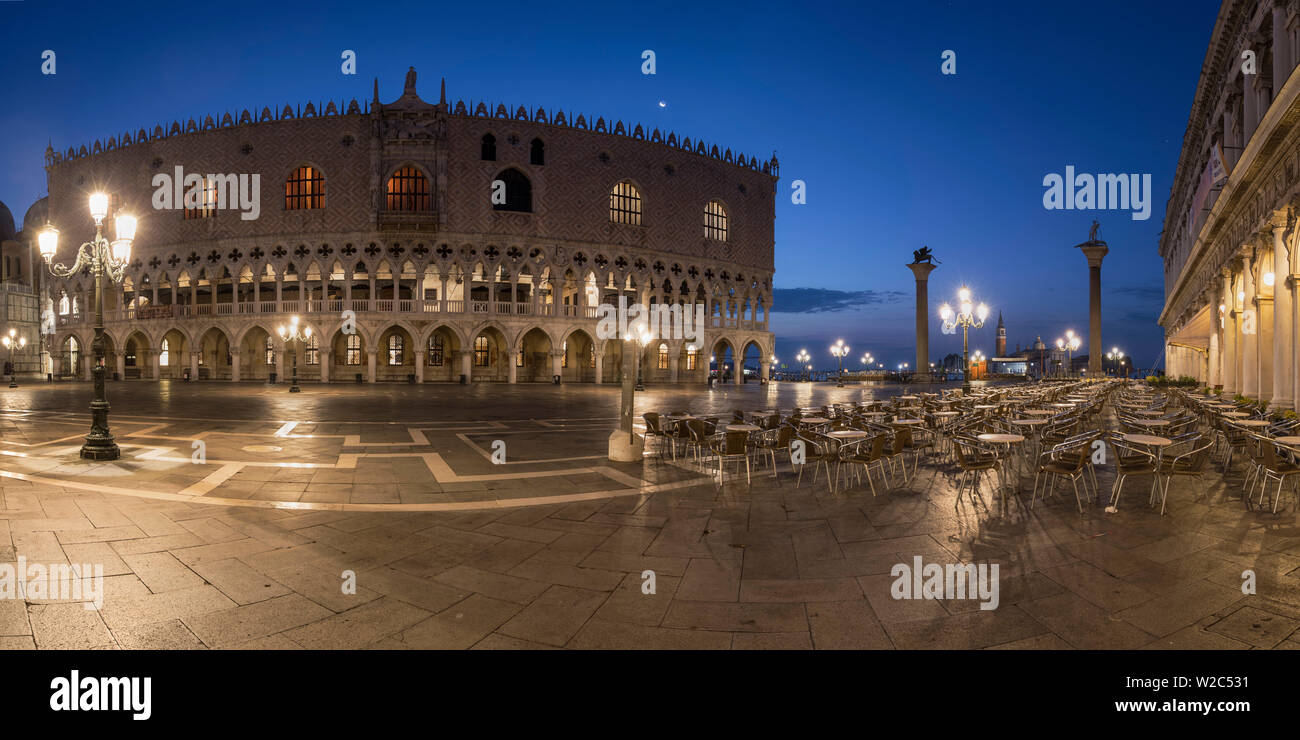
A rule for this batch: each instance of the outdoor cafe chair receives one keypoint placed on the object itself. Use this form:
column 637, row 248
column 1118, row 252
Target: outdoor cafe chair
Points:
column 1064, row 461
column 816, row 452
column 776, row 440
column 1276, row 467
column 1187, row 464
column 975, row 462
column 732, row 446
column 868, row 453
column 1129, row 461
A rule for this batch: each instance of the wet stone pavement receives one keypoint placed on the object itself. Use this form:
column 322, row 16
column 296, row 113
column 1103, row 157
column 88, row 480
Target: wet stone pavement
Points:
column 236, row 510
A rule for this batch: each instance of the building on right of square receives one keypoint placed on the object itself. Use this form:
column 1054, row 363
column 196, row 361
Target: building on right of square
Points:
column 1229, row 240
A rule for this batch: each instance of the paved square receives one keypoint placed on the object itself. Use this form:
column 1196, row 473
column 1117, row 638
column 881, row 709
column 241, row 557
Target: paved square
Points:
column 247, row 544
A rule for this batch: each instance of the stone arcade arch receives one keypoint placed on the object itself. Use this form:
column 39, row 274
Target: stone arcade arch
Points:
column 489, row 354
column 215, row 361
column 440, row 351
column 174, row 354
column 535, row 348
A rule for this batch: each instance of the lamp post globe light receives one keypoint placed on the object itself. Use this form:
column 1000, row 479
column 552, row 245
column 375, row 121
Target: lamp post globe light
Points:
column 12, row 341
column 289, row 334
column 840, row 350
column 105, row 260
column 803, row 357
column 966, row 316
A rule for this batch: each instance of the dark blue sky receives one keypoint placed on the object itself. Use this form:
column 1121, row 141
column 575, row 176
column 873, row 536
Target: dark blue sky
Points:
column 850, row 96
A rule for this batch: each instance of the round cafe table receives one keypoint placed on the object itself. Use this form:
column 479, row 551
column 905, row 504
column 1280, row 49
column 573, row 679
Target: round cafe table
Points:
column 1160, row 443
column 1040, row 412
column 813, row 420
column 907, row 422
column 909, row 398
column 1151, row 422
column 743, row 428
column 1289, row 441
column 1008, row 440
column 1065, row 405
column 1150, row 413
column 847, row 434
column 1252, row 422
column 947, row 414
column 1236, row 414
column 984, row 406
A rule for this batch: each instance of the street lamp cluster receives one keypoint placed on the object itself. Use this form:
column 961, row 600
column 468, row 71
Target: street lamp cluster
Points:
column 13, row 342
column 291, row 333
column 840, row 350
column 1115, row 355
column 966, row 316
column 1069, row 344
column 104, row 259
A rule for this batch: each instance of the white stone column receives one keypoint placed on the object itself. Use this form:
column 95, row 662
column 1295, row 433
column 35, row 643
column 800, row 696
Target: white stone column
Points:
column 234, row 367
column 556, row 362
column 466, row 363
column 194, row 365
column 1250, row 341
column 281, row 375
column 1283, row 330
column 1229, row 350
column 512, row 371
column 673, row 361
column 600, row 361
column 326, row 356
column 370, row 365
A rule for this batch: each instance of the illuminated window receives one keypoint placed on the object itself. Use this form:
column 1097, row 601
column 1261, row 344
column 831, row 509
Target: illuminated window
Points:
column 564, row 353
column 130, row 354
column 625, row 204
column 519, row 359
column 691, row 354
column 408, row 190
column 270, row 351
column 65, row 306
column 395, row 347
column 591, row 357
column 304, row 190
column 354, row 350
column 164, row 357
column 663, row 357
column 488, row 148
column 481, row 351
column 519, row 192
column 313, row 350
column 715, row 221
column 435, row 350
column 208, row 203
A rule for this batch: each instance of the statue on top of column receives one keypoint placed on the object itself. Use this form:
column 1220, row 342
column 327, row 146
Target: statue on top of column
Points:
column 924, row 255
column 1092, row 233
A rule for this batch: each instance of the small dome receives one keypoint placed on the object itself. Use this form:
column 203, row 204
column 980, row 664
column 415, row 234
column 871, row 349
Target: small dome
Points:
column 6, row 223
column 37, row 216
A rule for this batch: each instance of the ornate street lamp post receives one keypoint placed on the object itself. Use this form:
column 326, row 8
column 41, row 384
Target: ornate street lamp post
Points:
column 1117, row 357
column 104, row 260
column 966, row 316
column 1068, row 345
column 840, row 350
column 13, row 341
column 643, row 338
column 803, row 357
column 290, row 334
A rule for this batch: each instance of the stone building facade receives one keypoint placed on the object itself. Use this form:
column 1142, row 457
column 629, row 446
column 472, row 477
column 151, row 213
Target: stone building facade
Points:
column 1229, row 242
column 421, row 242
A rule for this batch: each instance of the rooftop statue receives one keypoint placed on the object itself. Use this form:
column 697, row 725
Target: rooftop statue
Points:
column 1092, row 233
column 923, row 255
